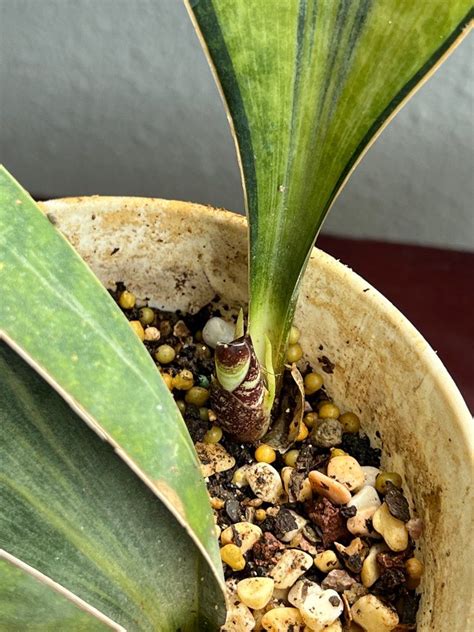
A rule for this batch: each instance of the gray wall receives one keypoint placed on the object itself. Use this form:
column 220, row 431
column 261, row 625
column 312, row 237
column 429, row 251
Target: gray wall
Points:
column 115, row 97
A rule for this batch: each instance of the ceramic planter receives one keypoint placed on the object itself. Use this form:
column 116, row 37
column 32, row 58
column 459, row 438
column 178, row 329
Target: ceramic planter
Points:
column 182, row 255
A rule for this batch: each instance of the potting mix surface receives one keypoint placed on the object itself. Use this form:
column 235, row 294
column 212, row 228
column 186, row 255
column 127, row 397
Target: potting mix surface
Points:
column 318, row 538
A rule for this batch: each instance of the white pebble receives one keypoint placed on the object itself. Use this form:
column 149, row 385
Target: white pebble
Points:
column 328, row 487
column 289, row 568
column 347, row 471
column 248, row 533
column 357, row 525
column 152, row 333
column 300, row 523
column 303, row 493
column 265, row 482
column 214, row 458
column 301, row 589
column 282, row 620
column 240, row 476
column 255, row 592
column 239, row 618
column 370, row 474
column 326, row 561
column 391, row 529
column 334, row 627
column 370, row 569
column 319, row 611
column 217, row 330
column 373, row 616
column 365, row 497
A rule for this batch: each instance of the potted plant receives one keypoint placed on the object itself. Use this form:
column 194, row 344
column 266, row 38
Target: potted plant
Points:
column 87, row 543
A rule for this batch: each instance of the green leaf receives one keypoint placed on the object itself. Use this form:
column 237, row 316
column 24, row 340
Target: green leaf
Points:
column 309, row 84
column 28, row 601
column 74, row 511
column 56, row 314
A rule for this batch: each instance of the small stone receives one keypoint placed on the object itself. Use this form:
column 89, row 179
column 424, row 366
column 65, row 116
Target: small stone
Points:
column 334, row 627
column 365, row 497
column 326, row 561
column 217, row 503
column 347, row 512
column 328, row 487
column 373, row 615
column 397, row 503
column 390, row 581
column 328, row 433
column 346, row 471
column 329, row 520
column 265, row 482
column 306, row 546
column 239, row 618
column 288, row 524
column 232, row 556
column 300, row 488
column 152, row 333
column 391, row 529
column 231, row 589
column 291, row 565
column 214, row 458
column 354, row 554
column 239, row 479
column 180, row 330
column 250, row 514
column 310, row 534
column 355, row 592
column 244, row 534
column 319, row 611
column 232, row 509
column 361, row 523
column 387, row 559
column 370, row 474
column 338, row 580
column 217, row 330
column 370, row 569
column 282, row 620
column 296, row 485
column 300, row 590
column 255, row 592
column 285, row 522
column 265, row 550
column 280, row 595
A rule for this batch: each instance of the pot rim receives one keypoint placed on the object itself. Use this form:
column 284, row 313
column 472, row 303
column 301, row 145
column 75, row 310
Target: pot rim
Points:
column 428, row 357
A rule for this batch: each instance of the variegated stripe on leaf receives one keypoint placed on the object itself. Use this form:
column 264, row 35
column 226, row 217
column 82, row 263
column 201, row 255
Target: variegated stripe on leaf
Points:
column 309, row 85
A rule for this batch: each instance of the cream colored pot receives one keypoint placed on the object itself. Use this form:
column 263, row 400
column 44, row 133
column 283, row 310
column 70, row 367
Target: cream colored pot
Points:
column 182, row 255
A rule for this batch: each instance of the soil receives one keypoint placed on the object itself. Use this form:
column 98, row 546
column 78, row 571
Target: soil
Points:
column 326, row 521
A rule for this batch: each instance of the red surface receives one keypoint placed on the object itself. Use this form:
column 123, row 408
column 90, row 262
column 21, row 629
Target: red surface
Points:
column 432, row 287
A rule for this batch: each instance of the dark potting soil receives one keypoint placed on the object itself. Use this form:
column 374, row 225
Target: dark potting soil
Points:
column 326, row 522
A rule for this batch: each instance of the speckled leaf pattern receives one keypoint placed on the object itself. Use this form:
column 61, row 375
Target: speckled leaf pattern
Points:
column 309, row 84
column 74, row 511
column 55, row 313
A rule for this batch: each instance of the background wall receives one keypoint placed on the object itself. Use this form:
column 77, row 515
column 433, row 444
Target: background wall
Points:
column 115, row 97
